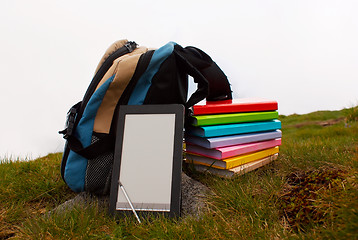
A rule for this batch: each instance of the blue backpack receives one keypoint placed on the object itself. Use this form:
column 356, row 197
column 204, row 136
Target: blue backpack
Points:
column 130, row 75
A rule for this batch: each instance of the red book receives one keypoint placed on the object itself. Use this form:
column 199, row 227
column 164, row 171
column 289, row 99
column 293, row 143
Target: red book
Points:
column 235, row 105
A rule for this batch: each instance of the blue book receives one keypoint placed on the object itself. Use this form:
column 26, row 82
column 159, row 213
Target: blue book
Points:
column 232, row 129
column 215, row 142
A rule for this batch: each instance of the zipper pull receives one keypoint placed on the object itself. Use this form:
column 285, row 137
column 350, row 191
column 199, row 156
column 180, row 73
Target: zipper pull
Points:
column 130, row 46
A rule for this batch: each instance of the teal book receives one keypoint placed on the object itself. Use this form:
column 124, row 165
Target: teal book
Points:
column 232, row 129
column 217, row 119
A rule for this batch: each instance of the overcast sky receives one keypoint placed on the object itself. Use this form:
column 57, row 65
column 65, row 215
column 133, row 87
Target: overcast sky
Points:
column 303, row 54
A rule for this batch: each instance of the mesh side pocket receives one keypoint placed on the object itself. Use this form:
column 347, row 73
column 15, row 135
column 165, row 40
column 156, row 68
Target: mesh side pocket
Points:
column 99, row 173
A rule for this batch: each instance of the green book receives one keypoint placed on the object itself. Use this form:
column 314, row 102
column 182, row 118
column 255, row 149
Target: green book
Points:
column 217, row 119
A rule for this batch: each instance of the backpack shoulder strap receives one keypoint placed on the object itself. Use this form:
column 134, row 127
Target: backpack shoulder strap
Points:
column 212, row 82
column 219, row 86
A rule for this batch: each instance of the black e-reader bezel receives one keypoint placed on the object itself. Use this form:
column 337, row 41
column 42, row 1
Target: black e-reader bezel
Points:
column 131, row 112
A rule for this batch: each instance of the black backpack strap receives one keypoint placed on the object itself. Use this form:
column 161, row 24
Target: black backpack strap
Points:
column 102, row 145
column 219, row 86
column 212, row 82
column 187, row 67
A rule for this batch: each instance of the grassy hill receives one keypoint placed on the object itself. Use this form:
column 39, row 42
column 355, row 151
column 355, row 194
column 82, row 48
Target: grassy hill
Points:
column 309, row 192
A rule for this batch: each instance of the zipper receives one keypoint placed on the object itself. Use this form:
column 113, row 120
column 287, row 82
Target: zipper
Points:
column 127, row 48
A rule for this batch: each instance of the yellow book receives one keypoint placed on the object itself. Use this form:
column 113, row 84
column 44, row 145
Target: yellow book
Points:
column 237, row 171
column 232, row 161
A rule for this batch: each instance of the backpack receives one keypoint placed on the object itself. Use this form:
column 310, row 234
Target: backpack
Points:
column 129, row 74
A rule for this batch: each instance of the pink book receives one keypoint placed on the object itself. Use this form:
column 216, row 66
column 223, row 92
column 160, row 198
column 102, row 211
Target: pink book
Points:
column 226, row 152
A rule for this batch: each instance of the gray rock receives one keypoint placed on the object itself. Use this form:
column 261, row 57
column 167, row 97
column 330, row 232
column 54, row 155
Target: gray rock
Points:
column 82, row 200
column 194, row 195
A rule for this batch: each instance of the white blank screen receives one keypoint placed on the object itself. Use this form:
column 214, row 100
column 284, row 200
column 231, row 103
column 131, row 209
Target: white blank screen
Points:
column 147, row 161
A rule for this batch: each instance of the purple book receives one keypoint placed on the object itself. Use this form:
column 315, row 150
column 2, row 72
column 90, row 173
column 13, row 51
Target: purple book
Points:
column 216, row 142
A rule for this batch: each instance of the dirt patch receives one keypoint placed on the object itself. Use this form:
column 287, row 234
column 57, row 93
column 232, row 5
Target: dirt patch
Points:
column 302, row 202
column 320, row 123
column 330, row 122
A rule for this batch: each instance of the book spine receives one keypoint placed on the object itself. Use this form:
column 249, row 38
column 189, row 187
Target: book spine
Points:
column 218, row 119
column 231, row 108
column 231, row 163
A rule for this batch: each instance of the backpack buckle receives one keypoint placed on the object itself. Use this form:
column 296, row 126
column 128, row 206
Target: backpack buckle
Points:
column 130, row 46
column 70, row 121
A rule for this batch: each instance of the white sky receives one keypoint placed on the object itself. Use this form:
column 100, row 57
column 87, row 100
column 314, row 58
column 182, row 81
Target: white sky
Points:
column 304, row 54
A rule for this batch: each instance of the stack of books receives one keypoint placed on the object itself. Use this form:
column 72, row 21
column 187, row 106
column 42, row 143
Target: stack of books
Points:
column 233, row 137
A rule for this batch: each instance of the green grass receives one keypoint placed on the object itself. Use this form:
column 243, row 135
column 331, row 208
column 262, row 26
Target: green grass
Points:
column 310, row 117
column 29, row 188
column 309, row 192
column 351, row 114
